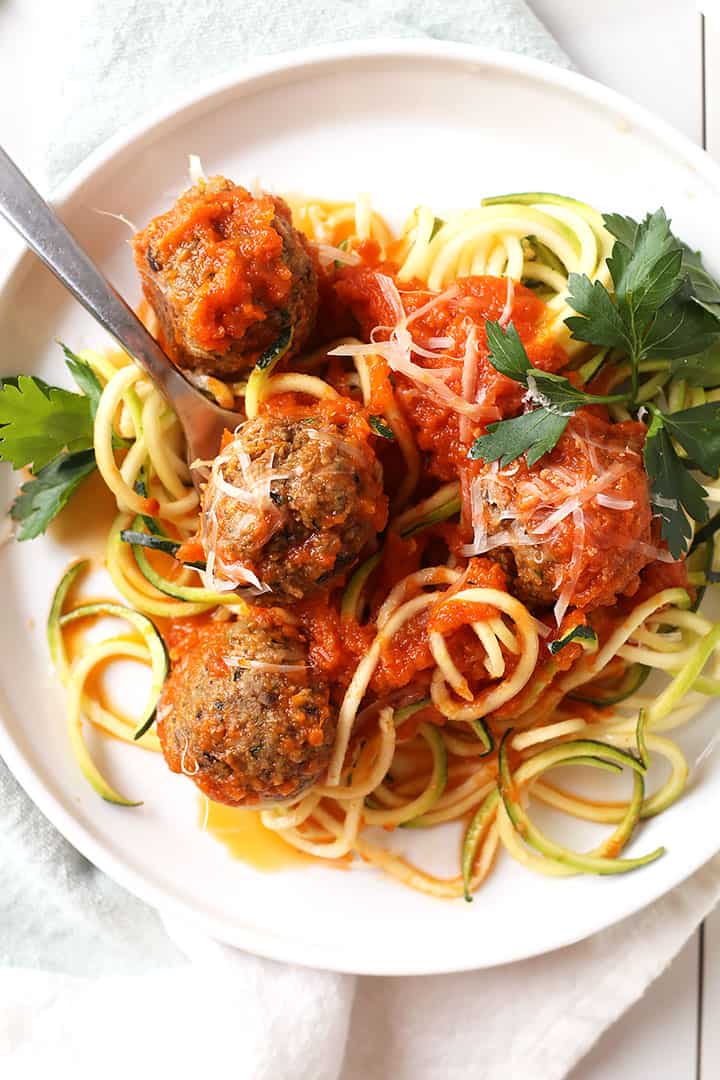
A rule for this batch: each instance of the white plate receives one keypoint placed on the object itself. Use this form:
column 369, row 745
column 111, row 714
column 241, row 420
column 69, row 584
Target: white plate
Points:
column 409, row 122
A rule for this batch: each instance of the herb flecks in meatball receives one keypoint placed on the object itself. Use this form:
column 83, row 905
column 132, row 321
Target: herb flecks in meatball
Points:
column 289, row 506
column 242, row 714
column 227, row 275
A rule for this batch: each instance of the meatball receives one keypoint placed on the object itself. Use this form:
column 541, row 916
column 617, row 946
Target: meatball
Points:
column 243, row 716
column 227, row 276
column 577, row 524
column 289, row 506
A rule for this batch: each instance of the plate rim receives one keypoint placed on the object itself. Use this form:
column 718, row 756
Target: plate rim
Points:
column 263, row 942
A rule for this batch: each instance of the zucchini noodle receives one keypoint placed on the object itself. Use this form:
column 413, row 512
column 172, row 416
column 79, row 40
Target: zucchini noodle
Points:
column 474, row 742
column 296, row 384
column 499, row 694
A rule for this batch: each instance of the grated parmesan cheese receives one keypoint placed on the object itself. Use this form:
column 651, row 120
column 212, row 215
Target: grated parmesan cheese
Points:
column 613, row 502
column 195, row 169
column 506, row 315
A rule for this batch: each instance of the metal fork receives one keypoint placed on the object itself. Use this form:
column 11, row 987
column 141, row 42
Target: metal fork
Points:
column 24, row 208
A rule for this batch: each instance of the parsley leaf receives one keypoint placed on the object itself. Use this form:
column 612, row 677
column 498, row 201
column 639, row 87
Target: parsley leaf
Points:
column 702, row 369
column 508, row 356
column 646, row 272
column 624, row 229
column 534, row 433
column 666, row 305
column 680, row 328
column 50, row 430
column 599, row 321
column 85, row 378
column 12, row 380
column 705, row 290
column 698, row 432
column 675, row 492
column 380, row 426
column 557, row 393
column 537, row 432
column 41, row 422
column 43, row 497
column 507, row 352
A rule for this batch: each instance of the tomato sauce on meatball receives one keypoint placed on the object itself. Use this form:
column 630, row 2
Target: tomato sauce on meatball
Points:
column 242, row 714
column 290, row 504
column 585, row 507
column 227, row 275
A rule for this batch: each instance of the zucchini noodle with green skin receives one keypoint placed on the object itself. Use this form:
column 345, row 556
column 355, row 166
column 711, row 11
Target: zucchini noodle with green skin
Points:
column 475, row 741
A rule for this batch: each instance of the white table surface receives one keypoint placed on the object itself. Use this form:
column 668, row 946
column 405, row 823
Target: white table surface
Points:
column 665, row 55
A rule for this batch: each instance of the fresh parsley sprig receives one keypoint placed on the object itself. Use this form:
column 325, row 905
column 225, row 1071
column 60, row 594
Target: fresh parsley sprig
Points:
column 662, row 301
column 42, row 498
column 703, row 369
column 554, row 392
column 663, row 305
column 37, row 423
column 534, row 433
column 50, row 431
column 675, row 493
column 85, row 378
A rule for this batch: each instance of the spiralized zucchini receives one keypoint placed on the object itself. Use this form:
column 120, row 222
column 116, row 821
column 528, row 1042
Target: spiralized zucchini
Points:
column 74, row 676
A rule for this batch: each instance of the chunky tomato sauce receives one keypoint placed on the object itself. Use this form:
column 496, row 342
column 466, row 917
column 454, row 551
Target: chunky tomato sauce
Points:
column 198, row 235
column 477, row 299
column 609, row 554
column 605, row 548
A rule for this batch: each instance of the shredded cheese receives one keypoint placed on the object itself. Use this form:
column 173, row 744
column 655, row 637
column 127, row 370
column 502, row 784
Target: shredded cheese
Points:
column 398, row 350
column 328, row 254
column 195, row 169
column 664, row 503
column 612, row 502
column 469, row 380
column 506, row 315
column 119, row 217
column 392, row 296
column 262, row 666
column 435, row 301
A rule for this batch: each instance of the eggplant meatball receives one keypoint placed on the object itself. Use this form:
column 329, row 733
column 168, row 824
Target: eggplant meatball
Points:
column 289, row 506
column 579, row 522
column 227, row 276
column 242, row 715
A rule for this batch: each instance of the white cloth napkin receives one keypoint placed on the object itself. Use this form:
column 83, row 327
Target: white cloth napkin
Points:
column 90, row 982
column 253, row 1019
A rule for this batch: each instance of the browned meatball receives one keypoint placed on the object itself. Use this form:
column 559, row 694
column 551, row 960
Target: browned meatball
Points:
column 228, row 277
column 242, row 714
column 581, row 517
column 289, row 506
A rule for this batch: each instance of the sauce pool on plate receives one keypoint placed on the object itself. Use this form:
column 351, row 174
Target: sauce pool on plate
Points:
column 246, row 838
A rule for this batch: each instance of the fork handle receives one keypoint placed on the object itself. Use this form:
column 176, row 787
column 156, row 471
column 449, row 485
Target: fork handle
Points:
column 43, row 232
